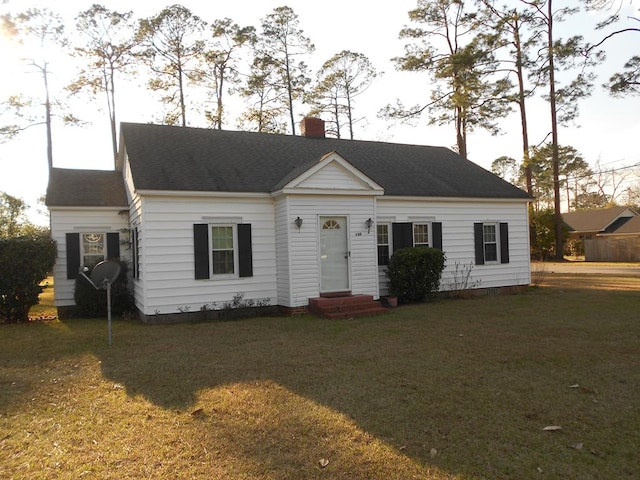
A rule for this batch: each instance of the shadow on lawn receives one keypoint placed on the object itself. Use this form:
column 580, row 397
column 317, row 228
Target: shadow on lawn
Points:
column 415, row 380
column 299, row 384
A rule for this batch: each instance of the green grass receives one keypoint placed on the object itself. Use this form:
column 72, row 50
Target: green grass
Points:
column 451, row 389
column 45, row 308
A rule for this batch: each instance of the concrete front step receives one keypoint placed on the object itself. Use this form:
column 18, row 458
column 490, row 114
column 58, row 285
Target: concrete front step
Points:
column 346, row 306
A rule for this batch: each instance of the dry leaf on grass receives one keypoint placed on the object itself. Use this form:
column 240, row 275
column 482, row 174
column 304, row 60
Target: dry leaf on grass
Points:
column 323, row 462
column 552, row 428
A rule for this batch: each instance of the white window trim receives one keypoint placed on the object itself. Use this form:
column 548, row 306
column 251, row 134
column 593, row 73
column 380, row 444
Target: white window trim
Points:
column 221, row 220
column 389, row 243
column 429, row 233
column 496, row 225
column 236, row 261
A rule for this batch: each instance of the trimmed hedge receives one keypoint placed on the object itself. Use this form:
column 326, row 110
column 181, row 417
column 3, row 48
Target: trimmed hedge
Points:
column 24, row 262
column 414, row 273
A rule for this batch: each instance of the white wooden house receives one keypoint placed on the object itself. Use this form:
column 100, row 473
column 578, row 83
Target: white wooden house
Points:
column 203, row 215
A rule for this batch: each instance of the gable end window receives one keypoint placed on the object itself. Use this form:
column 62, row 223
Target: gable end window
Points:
column 89, row 249
column 491, row 242
column 222, row 250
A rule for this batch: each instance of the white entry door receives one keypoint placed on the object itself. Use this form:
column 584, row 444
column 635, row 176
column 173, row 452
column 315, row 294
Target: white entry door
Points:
column 334, row 254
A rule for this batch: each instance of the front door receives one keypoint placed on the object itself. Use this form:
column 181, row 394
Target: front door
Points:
column 334, row 254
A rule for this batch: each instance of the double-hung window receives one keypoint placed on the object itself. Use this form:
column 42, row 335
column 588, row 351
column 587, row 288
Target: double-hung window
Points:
column 491, row 242
column 421, row 235
column 383, row 244
column 223, row 258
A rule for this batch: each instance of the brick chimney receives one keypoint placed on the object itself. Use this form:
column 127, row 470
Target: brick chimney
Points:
column 311, row 127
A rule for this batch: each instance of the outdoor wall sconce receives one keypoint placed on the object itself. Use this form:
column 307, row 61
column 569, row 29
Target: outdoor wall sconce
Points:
column 369, row 224
column 298, row 222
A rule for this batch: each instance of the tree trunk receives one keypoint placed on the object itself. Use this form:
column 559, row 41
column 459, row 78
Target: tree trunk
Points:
column 219, row 106
column 349, row 113
column 47, row 109
column 460, row 133
column 554, row 138
column 523, row 112
column 336, row 116
column 111, row 99
column 183, row 110
column 290, row 96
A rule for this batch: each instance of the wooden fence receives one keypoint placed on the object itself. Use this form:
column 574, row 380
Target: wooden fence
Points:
column 612, row 249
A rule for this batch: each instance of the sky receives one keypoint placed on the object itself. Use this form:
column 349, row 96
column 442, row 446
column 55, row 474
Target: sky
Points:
column 607, row 130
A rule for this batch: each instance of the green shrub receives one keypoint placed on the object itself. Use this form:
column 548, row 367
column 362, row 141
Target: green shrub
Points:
column 542, row 230
column 414, row 273
column 93, row 303
column 24, row 263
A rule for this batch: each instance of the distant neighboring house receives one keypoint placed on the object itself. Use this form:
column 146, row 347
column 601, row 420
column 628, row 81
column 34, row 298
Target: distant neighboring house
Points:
column 203, row 215
column 609, row 234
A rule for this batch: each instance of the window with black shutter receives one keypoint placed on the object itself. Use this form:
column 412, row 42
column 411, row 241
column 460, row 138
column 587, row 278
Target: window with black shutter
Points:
column 491, row 242
column 408, row 234
column 222, row 250
column 87, row 249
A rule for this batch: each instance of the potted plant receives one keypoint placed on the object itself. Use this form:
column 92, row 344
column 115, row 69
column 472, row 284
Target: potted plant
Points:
column 389, row 301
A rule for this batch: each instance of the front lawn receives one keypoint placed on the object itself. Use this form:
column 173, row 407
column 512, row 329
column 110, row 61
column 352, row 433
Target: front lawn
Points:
column 454, row 389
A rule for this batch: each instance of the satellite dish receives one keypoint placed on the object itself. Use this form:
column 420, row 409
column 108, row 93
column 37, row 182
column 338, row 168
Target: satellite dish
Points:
column 102, row 276
column 105, row 273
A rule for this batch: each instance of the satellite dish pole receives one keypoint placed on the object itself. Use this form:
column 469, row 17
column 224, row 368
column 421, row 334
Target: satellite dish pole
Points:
column 102, row 276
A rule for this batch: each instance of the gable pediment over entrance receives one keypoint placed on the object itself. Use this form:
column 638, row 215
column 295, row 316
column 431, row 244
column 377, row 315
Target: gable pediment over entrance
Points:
column 332, row 175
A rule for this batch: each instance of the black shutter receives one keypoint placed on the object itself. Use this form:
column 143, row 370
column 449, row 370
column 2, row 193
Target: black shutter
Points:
column 73, row 254
column 436, row 231
column 245, row 254
column 113, row 246
column 402, row 235
column 134, row 247
column 201, row 250
column 504, row 243
column 478, row 236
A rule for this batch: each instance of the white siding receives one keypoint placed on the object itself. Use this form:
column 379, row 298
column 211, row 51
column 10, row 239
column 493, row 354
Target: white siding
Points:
column 457, row 219
column 304, row 243
column 167, row 262
column 283, row 269
column 88, row 219
column 136, row 220
column 333, row 176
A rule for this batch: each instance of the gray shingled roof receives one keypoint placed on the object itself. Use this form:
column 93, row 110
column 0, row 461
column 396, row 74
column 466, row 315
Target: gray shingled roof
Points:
column 85, row 188
column 194, row 159
column 631, row 226
column 596, row 220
